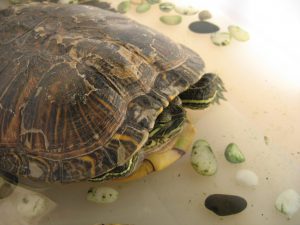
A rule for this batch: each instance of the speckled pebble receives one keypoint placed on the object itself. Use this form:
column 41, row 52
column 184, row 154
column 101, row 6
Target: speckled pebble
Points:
column 220, row 38
column 225, row 205
column 203, row 27
column 166, row 6
column 203, row 159
column 171, row 20
column 102, row 195
column 187, row 11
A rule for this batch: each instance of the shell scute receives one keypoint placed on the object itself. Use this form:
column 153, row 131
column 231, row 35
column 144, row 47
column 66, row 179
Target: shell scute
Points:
column 85, row 89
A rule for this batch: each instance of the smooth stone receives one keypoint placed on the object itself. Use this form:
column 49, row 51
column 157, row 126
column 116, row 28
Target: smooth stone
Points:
column 152, row 2
column 204, row 15
column 166, row 6
column 187, row 11
column 203, row 27
column 288, row 202
column 220, row 38
column 238, row 33
column 102, row 195
column 225, row 205
column 246, row 178
column 142, row 8
column 233, row 154
column 32, row 206
column 203, row 159
column 171, row 20
column 123, row 7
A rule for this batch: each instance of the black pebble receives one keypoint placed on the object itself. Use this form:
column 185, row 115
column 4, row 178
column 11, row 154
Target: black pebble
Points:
column 225, row 205
column 203, row 27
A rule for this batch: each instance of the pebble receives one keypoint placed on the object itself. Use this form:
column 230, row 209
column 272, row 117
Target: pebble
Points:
column 102, row 195
column 152, row 2
column 171, row 20
column 204, row 15
column 123, row 7
column 6, row 188
column 142, row 8
column 221, row 38
column 203, row 159
column 203, row 27
column 233, row 154
column 187, row 11
column 32, row 205
column 246, row 178
column 166, row 6
column 238, row 33
column 225, row 205
column 288, row 202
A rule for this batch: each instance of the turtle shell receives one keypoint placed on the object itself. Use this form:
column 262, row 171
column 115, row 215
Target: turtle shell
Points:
column 80, row 89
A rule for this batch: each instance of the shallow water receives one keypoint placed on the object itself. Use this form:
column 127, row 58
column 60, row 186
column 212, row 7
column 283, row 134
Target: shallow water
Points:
column 263, row 95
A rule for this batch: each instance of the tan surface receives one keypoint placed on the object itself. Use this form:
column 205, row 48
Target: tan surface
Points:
column 263, row 95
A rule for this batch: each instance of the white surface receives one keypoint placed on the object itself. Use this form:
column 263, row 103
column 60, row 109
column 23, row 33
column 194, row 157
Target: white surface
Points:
column 263, row 83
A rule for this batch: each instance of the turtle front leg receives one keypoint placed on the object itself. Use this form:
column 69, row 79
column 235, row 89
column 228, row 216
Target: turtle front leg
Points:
column 208, row 90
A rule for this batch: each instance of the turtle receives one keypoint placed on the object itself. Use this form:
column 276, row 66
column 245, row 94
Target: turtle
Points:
column 87, row 94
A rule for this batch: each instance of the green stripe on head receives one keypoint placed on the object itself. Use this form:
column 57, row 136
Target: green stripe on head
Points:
column 208, row 90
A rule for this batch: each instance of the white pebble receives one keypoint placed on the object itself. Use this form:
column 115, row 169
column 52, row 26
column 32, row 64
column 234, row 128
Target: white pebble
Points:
column 32, row 205
column 102, row 195
column 246, row 178
column 288, row 202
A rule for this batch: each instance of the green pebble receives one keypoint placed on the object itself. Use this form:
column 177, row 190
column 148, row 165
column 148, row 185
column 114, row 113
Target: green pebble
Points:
column 203, row 159
column 204, row 15
column 238, row 33
column 124, row 7
column 166, row 6
column 152, row 2
column 171, row 20
column 233, row 154
column 187, row 11
column 142, row 8
column 221, row 38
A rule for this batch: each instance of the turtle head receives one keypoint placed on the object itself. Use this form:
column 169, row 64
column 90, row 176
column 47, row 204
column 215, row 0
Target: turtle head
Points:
column 208, row 90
